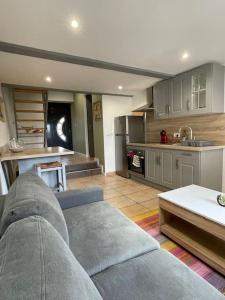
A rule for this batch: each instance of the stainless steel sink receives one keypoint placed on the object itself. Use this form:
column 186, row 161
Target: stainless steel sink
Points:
column 197, row 143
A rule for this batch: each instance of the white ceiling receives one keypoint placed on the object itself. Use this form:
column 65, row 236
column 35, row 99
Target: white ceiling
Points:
column 149, row 34
column 24, row 70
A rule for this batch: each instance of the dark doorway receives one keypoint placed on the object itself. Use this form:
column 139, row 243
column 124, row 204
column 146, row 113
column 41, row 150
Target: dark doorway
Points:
column 90, row 126
column 59, row 131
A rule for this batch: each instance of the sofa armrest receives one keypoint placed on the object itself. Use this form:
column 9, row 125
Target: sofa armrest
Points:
column 2, row 202
column 79, row 197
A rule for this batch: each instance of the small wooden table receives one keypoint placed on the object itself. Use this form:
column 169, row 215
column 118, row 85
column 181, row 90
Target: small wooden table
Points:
column 192, row 217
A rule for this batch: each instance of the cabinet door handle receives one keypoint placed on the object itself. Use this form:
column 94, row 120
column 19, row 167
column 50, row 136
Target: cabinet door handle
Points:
column 186, row 154
column 169, row 108
column 156, row 160
column 188, row 105
column 177, row 164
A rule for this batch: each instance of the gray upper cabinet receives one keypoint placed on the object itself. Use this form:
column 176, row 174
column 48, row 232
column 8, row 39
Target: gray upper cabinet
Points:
column 178, row 96
column 205, row 88
column 199, row 85
column 161, row 94
column 199, row 91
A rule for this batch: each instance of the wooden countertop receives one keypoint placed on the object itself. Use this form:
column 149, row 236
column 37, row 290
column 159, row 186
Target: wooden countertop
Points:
column 34, row 153
column 176, row 147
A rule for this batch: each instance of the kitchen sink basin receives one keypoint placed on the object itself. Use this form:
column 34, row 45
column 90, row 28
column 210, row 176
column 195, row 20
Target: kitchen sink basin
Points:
column 197, row 143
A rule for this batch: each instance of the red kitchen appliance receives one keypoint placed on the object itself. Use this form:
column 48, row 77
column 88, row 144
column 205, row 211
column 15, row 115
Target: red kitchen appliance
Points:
column 163, row 137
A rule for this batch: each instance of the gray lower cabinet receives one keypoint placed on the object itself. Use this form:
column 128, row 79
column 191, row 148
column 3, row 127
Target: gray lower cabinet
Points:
column 159, row 167
column 168, row 179
column 153, row 170
column 187, row 168
column 174, row 169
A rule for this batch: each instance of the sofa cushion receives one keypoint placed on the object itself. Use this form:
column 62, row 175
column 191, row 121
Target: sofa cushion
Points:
column 155, row 276
column 30, row 196
column 36, row 263
column 100, row 236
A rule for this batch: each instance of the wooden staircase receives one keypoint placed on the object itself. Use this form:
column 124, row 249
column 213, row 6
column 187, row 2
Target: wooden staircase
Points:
column 31, row 116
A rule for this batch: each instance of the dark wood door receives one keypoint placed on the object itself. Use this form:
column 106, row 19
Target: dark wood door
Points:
column 59, row 131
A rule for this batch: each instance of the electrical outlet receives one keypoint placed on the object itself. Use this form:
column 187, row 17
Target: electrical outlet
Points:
column 176, row 134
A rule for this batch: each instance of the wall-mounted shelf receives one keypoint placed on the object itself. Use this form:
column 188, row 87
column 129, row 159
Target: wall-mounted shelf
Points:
column 29, row 111
column 30, row 120
column 32, row 128
column 29, row 101
column 29, row 135
column 34, row 143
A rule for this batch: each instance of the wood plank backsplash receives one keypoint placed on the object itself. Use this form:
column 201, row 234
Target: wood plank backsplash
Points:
column 210, row 127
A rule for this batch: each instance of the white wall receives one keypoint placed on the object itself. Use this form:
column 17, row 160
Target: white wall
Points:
column 139, row 99
column 112, row 106
column 57, row 96
column 4, row 138
column 79, row 124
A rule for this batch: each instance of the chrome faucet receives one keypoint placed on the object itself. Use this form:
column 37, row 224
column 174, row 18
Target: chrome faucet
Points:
column 190, row 131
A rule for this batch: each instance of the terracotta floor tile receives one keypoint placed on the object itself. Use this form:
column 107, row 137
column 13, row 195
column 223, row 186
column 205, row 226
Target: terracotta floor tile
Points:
column 141, row 196
column 131, row 197
column 120, row 201
column 74, row 185
column 110, row 194
column 128, row 190
column 151, row 204
column 133, row 210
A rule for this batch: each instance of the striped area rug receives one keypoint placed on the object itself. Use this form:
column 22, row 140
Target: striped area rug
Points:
column 150, row 223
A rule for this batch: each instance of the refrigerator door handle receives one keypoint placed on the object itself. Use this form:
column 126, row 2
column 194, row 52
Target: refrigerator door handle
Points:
column 121, row 134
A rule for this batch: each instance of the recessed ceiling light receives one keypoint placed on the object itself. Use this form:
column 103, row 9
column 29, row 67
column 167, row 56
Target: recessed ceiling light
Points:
column 185, row 55
column 74, row 23
column 120, row 87
column 48, row 79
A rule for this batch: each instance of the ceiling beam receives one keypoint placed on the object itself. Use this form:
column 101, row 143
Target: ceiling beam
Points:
column 77, row 60
column 27, row 87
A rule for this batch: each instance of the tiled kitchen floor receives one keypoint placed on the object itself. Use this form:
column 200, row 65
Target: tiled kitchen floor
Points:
column 131, row 197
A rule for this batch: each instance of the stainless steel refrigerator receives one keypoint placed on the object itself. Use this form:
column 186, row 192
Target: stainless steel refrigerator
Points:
column 128, row 129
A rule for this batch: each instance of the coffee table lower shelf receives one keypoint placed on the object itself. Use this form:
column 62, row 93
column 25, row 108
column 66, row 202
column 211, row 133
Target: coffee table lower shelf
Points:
column 202, row 244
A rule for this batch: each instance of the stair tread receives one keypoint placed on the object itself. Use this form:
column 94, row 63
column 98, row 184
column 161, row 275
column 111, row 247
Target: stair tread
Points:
column 82, row 166
column 83, row 173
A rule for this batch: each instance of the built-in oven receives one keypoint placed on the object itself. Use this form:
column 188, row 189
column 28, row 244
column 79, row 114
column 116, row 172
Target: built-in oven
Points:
column 136, row 162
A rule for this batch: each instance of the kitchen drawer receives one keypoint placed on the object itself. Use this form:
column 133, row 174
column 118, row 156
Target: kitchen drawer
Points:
column 188, row 154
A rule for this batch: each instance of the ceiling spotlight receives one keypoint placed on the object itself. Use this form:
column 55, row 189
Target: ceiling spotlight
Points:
column 120, row 87
column 75, row 24
column 48, row 79
column 185, row 55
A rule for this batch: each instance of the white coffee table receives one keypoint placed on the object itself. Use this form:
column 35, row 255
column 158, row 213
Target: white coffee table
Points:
column 192, row 217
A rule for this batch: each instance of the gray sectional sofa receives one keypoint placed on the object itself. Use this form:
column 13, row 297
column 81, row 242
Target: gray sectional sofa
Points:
column 74, row 245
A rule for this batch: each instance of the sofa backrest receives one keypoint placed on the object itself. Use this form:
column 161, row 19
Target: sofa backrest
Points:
column 29, row 196
column 36, row 263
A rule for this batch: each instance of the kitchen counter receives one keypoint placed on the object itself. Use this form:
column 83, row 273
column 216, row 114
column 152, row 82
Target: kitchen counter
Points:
column 35, row 153
column 27, row 161
column 176, row 147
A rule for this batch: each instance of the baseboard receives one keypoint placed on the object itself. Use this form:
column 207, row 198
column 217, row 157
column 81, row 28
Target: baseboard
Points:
column 110, row 173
